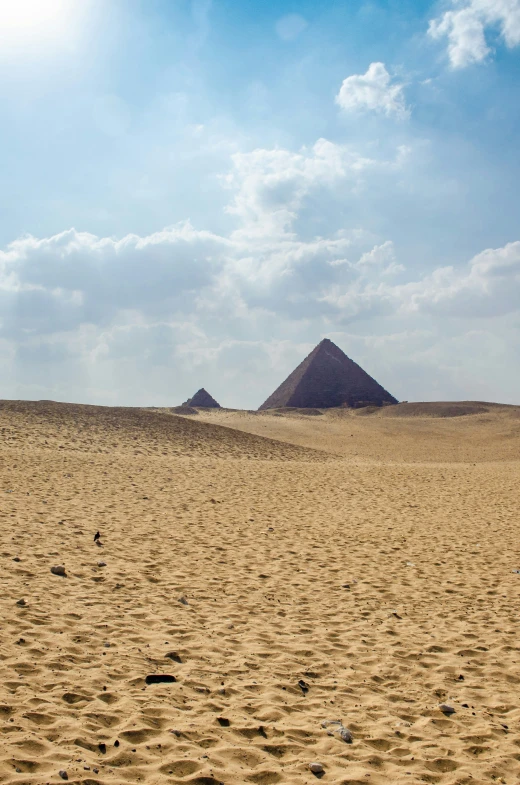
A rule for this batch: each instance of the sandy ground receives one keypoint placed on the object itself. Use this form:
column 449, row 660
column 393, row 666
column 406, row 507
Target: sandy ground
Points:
column 377, row 568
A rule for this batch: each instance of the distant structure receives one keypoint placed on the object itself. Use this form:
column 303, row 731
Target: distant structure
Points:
column 328, row 378
column 203, row 399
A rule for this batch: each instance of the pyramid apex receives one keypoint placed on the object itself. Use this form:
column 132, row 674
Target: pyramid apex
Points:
column 327, row 342
column 204, row 399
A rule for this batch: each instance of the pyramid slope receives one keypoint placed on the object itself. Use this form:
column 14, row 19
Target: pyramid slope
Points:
column 203, row 399
column 325, row 379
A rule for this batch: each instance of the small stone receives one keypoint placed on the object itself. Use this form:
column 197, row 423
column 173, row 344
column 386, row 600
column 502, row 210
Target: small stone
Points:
column 316, row 768
column 183, row 600
column 96, row 771
column 59, row 570
column 337, row 727
column 345, row 734
column 101, row 564
column 63, row 774
column 21, row 603
column 17, row 559
column 172, row 655
column 446, row 709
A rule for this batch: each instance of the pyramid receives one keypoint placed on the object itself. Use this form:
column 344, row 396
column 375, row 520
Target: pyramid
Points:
column 328, row 378
column 204, row 399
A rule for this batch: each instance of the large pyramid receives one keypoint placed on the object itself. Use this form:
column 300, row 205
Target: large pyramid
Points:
column 328, row 378
column 203, row 399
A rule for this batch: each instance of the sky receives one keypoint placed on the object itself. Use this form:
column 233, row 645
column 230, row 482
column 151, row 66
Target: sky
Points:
column 193, row 193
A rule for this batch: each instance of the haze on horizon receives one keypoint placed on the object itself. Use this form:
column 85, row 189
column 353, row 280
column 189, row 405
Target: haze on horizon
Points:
column 194, row 193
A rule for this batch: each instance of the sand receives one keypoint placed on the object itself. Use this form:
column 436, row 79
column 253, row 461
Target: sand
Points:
column 369, row 555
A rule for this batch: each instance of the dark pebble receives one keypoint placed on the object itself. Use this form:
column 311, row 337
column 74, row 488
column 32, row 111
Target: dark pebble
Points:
column 303, row 686
column 159, row 678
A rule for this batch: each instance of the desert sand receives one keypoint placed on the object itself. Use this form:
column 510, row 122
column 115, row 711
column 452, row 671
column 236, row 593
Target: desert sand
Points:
column 285, row 569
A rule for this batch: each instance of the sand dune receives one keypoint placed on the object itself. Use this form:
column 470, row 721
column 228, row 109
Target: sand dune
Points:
column 425, row 432
column 444, row 409
column 131, row 431
column 375, row 568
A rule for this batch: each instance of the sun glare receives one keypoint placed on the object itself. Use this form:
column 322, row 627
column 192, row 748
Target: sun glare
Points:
column 24, row 23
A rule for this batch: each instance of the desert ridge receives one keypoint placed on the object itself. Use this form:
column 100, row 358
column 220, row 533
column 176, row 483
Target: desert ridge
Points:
column 286, row 571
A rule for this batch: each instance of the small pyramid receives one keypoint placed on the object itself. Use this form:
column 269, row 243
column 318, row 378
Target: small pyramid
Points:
column 325, row 379
column 203, row 399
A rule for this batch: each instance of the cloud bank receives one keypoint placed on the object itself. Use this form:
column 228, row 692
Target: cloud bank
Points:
column 163, row 313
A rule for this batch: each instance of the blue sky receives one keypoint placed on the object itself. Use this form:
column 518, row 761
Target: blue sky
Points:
column 195, row 192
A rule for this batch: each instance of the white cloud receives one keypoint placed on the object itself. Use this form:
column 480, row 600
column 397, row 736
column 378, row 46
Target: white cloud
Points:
column 75, row 277
column 372, row 91
column 381, row 256
column 270, row 186
column 489, row 286
column 466, row 25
